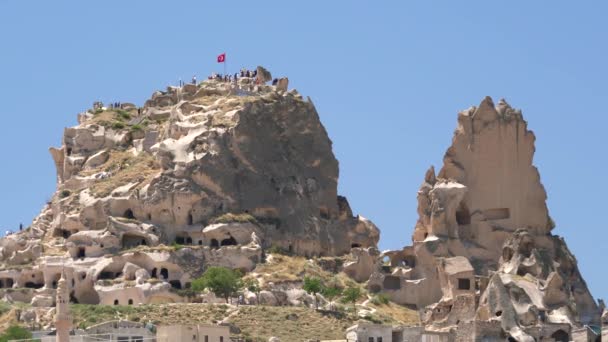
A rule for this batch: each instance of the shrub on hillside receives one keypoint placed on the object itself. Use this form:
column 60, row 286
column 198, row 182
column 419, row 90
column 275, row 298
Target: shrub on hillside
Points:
column 15, row 332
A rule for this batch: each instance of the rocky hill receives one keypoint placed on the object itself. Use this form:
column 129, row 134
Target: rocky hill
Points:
column 241, row 174
column 225, row 169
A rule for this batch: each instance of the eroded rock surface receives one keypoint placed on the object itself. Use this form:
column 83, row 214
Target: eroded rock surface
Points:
column 202, row 175
column 483, row 258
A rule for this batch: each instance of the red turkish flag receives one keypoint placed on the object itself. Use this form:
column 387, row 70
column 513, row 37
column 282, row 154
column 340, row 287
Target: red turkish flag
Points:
column 221, row 58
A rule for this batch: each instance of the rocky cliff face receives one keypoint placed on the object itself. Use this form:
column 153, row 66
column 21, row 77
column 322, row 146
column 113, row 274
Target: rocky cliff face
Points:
column 226, row 169
column 482, row 249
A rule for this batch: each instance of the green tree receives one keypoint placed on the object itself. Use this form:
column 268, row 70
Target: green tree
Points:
column 223, row 282
column 252, row 285
column 352, row 295
column 15, row 332
column 313, row 285
column 330, row 293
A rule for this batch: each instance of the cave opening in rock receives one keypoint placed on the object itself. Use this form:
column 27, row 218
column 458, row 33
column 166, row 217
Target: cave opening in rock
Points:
column 129, row 214
column 106, row 275
column 130, row 241
column 229, row 242
column 355, row 245
column 115, row 301
column 130, row 301
column 153, row 273
column 164, row 273
column 409, row 261
column 32, row 285
column 214, row 243
column 81, row 252
column 190, row 219
column 463, row 217
column 188, row 240
column 392, row 283
column 176, row 284
column 6, row 283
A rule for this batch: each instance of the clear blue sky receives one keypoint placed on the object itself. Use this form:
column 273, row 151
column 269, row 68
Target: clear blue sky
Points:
column 387, row 80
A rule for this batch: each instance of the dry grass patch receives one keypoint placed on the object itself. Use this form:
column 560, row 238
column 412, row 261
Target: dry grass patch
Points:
column 261, row 322
column 125, row 168
column 396, row 313
column 187, row 314
column 283, row 268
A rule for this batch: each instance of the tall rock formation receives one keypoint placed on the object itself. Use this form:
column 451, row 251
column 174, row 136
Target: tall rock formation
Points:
column 482, row 247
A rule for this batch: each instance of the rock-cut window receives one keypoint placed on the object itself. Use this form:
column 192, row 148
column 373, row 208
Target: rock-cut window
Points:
column 464, row 284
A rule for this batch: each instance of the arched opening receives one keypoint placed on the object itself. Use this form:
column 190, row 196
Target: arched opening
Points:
column 106, row 275
column 115, row 301
column 214, row 243
column 149, row 217
column 463, row 217
column 190, row 219
column 129, row 214
column 32, row 285
column 409, row 261
column 392, row 283
column 64, row 233
column 200, row 242
column 188, row 240
column 179, row 240
column 229, row 242
column 6, row 283
column 130, row 241
column 81, row 252
column 153, row 273
column 69, row 151
column 176, row 284
column 355, row 245
column 164, row 273
column 130, row 301
column 560, row 336
column 498, row 313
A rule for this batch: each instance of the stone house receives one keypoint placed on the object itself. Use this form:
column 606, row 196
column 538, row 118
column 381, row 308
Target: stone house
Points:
column 193, row 333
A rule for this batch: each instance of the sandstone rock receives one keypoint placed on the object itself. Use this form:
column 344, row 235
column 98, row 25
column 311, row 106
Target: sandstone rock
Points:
column 268, row 298
column 283, row 84
column 483, row 250
column 365, row 264
column 263, row 75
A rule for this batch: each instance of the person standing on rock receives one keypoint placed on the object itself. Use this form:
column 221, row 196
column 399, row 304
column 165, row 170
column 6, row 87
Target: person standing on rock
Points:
column 194, row 79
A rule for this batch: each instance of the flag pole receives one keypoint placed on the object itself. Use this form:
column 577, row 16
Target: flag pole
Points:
column 224, row 64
